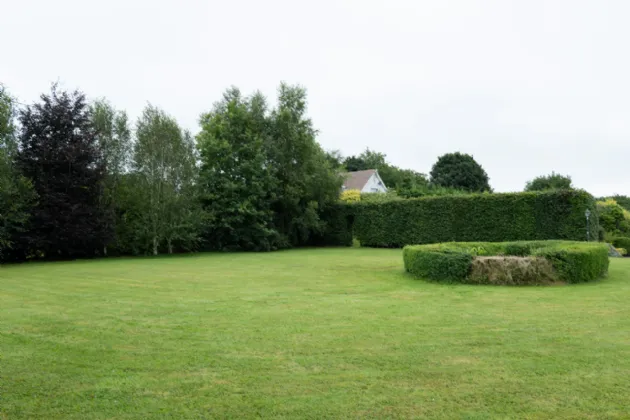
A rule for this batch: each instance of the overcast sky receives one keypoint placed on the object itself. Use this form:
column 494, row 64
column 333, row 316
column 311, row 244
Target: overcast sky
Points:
column 525, row 86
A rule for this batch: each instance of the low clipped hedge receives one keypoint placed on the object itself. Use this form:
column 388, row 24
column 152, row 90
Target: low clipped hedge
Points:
column 512, row 263
column 474, row 217
column 622, row 243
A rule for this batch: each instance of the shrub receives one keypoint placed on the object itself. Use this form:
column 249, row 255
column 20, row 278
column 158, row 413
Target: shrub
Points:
column 475, row 217
column 622, row 242
column 566, row 261
column 613, row 218
column 350, row 196
column 337, row 229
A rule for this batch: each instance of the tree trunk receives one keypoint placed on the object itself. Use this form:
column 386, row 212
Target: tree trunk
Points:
column 105, row 250
column 170, row 246
column 155, row 245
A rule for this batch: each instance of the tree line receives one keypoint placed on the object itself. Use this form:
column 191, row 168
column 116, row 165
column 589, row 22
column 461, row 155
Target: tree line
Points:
column 79, row 179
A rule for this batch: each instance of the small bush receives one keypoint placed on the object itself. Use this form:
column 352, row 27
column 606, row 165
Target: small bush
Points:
column 622, row 242
column 350, row 196
column 519, row 263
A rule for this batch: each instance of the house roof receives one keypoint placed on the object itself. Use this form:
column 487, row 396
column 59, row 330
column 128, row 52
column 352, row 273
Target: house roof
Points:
column 357, row 180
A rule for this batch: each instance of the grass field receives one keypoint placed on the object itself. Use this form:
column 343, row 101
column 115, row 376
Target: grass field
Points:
column 323, row 333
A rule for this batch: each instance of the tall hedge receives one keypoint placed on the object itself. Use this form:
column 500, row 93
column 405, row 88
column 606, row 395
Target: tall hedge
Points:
column 475, row 217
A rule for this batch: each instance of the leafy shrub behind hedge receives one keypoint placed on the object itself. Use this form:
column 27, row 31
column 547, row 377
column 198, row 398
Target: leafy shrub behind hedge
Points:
column 475, row 217
column 572, row 262
column 622, row 242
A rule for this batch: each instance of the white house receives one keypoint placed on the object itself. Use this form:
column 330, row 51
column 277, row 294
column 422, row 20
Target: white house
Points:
column 368, row 181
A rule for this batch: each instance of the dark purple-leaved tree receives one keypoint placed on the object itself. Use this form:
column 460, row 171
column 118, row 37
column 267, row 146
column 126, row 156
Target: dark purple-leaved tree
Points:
column 59, row 152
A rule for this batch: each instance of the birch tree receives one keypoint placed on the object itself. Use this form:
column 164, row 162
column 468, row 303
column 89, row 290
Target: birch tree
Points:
column 114, row 137
column 165, row 172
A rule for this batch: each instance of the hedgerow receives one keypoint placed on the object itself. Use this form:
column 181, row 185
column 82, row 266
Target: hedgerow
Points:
column 477, row 262
column 475, row 217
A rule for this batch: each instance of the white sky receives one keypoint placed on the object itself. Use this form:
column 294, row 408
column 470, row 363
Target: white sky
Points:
column 525, row 86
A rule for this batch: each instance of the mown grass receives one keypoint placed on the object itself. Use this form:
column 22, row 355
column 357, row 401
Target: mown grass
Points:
column 323, row 333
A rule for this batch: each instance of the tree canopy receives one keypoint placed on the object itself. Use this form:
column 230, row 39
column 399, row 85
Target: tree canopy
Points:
column 460, row 171
column 553, row 181
column 16, row 192
column 59, row 152
column 237, row 183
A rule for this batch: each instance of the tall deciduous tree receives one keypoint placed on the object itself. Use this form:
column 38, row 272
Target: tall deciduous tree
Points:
column 163, row 182
column 307, row 184
column 16, row 192
column 60, row 153
column 550, row 182
column 114, row 138
column 461, row 171
column 236, row 178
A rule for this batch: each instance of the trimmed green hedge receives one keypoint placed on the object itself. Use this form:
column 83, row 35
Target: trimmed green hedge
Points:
column 622, row 242
column 572, row 262
column 475, row 217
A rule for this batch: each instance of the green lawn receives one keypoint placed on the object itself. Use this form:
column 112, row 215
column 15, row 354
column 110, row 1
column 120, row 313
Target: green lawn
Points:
column 323, row 333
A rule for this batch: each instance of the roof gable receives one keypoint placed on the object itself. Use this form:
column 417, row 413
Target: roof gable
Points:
column 357, row 180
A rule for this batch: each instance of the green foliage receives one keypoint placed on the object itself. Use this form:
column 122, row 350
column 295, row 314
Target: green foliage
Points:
column 380, row 197
column 439, row 266
column 335, row 160
column 460, row 171
column 306, row 184
column 163, row 184
column 114, row 137
column 475, row 217
column 613, row 218
column 16, row 192
column 16, row 201
column 572, row 262
column 338, row 229
column 8, row 130
column 622, row 242
column 577, row 262
column 237, row 186
column 394, row 177
column 429, row 190
column 265, row 181
column 622, row 200
column 549, row 182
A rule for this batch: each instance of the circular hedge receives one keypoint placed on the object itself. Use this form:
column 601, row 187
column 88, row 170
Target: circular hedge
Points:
column 508, row 263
